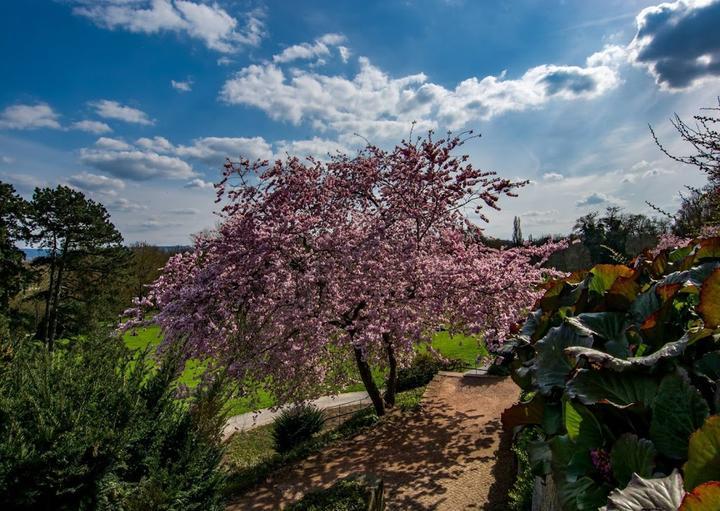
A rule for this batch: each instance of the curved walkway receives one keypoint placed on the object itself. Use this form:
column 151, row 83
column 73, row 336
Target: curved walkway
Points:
column 451, row 455
column 267, row 415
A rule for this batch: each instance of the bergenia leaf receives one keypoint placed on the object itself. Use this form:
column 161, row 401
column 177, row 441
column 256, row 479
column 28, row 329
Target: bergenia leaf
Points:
column 609, row 387
column 705, row 497
column 709, row 307
column 629, row 455
column 551, row 367
column 600, row 359
column 662, row 494
column 677, row 411
column 703, row 462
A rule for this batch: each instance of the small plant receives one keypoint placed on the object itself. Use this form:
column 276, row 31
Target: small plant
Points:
column 351, row 494
column 296, row 425
column 424, row 367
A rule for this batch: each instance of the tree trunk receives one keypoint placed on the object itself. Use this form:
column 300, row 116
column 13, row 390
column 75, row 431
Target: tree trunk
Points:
column 56, row 297
column 392, row 373
column 48, row 298
column 366, row 375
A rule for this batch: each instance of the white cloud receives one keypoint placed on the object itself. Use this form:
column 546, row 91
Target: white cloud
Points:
column 199, row 183
column 96, row 127
column 28, row 117
column 157, row 144
column 207, row 22
column 114, row 110
column 125, row 205
column 552, row 176
column 7, row 159
column 184, row 211
column 114, row 144
column 136, row 165
column 344, row 53
column 316, row 147
column 96, row 183
column 305, row 51
column 374, row 103
column 182, row 86
column 215, row 150
column 593, row 199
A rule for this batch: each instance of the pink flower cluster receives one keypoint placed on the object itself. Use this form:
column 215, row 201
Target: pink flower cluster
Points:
column 315, row 258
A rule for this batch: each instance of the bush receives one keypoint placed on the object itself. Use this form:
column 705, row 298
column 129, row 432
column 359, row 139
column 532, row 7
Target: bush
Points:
column 520, row 495
column 423, row 369
column 621, row 368
column 351, row 494
column 92, row 426
column 295, row 426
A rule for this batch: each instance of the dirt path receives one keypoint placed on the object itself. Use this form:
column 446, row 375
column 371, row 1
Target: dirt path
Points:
column 451, row 455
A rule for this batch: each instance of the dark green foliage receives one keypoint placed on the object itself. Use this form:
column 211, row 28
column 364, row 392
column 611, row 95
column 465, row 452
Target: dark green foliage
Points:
column 621, row 363
column 296, row 425
column 84, row 254
column 14, row 274
column 520, row 495
column 90, row 425
column 617, row 236
column 351, row 494
column 422, row 370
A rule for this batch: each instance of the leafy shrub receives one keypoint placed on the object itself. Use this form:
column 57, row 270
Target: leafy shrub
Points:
column 351, row 494
column 296, row 425
column 424, row 367
column 92, row 426
column 410, row 401
column 520, row 495
column 624, row 365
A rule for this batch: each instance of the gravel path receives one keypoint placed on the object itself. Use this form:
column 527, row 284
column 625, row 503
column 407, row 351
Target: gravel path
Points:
column 451, row 455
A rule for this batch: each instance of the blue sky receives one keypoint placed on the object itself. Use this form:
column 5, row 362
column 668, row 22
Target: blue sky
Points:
column 138, row 102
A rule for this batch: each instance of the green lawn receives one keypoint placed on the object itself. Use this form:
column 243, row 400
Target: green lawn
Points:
column 457, row 346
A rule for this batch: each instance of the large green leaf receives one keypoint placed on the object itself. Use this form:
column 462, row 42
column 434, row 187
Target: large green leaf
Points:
column 605, row 275
column 709, row 365
column 663, row 494
column 629, row 455
column 609, row 387
column 581, row 425
column 610, row 326
column 581, row 495
column 678, row 410
column 551, row 366
column 597, row 358
column 705, row 497
column 709, row 307
column 703, row 462
column 569, row 460
column 540, row 455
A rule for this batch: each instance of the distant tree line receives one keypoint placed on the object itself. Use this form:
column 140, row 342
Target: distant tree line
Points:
column 85, row 277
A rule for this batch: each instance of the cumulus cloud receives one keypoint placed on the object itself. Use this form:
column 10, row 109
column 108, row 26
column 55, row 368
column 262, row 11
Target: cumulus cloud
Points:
column 540, row 217
column 135, row 164
column 214, row 150
column 114, row 110
column 96, row 183
column 199, row 183
column 207, row 22
column 319, row 48
column 316, row 147
column 552, row 177
column 372, row 102
column 95, row 127
column 593, row 199
column 678, row 43
column 29, row 117
column 157, row 144
column 114, row 144
column 125, row 205
column 184, row 211
column 181, row 86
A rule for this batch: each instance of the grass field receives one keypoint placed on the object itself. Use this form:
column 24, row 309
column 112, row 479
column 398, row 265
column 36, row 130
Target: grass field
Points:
column 459, row 346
